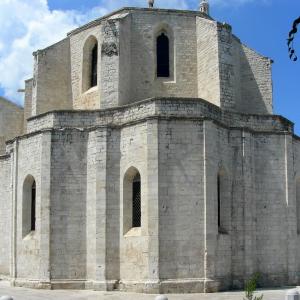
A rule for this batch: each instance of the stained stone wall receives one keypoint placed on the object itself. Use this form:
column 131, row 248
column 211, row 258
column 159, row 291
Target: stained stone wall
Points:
column 206, row 60
column 80, row 144
column 81, row 241
column 11, row 122
column 5, row 215
column 68, row 205
column 52, row 79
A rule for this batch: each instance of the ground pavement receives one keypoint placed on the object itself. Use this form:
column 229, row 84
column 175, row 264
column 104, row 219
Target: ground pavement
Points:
column 29, row 294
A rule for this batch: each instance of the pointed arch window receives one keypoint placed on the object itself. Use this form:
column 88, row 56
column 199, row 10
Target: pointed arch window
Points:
column 163, row 55
column 90, row 64
column 29, row 205
column 132, row 200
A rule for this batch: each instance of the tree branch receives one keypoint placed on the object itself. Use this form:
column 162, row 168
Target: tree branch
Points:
column 290, row 40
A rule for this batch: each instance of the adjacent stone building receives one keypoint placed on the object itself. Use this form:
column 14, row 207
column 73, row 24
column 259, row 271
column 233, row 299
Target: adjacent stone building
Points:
column 149, row 160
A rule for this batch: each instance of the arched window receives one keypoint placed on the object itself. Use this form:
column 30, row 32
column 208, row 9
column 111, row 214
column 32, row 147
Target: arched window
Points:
column 132, row 200
column 29, row 205
column 94, row 61
column 298, row 204
column 90, row 64
column 163, row 55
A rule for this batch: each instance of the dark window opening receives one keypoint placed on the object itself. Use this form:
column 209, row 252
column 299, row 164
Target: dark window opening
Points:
column 33, row 203
column 163, row 56
column 94, row 66
column 136, row 201
column 219, row 202
column 298, row 204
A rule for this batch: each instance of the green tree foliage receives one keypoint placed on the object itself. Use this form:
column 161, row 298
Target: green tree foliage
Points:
column 250, row 288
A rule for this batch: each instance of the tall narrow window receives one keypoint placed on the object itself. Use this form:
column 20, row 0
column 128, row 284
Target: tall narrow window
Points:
column 132, row 200
column 94, row 63
column 33, row 203
column 89, row 63
column 223, row 202
column 163, row 56
column 29, row 206
column 136, row 201
column 219, row 201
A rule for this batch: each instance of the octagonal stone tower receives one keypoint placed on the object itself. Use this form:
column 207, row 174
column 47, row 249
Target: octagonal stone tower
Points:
column 150, row 161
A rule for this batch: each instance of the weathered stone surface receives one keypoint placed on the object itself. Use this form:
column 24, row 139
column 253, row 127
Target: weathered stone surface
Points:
column 81, row 143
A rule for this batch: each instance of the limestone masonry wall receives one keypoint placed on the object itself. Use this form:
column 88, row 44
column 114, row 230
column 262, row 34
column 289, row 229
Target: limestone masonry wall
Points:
column 256, row 82
column 68, row 205
column 52, row 78
column 208, row 61
column 5, row 215
column 11, row 122
column 220, row 176
column 181, row 200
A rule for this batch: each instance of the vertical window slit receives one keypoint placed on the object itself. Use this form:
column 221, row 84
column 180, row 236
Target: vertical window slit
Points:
column 94, row 62
column 33, row 204
column 163, row 56
column 136, row 201
column 219, row 202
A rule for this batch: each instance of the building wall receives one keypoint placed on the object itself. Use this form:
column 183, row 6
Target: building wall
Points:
column 296, row 147
column 182, row 35
column 256, row 82
column 11, row 122
column 27, row 102
column 5, row 215
column 68, row 205
column 134, row 243
column 89, row 99
column 207, row 60
column 52, row 78
column 28, row 248
column 271, row 202
column 181, row 200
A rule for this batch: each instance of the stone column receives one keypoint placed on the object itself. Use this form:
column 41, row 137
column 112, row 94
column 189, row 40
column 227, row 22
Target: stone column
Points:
column 96, row 208
column 291, row 212
column 110, row 54
column 153, row 206
column 210, row 214
column 44, row 269
column 226, row 67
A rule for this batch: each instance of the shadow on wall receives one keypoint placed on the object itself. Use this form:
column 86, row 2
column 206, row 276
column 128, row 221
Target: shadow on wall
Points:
column 256, row 83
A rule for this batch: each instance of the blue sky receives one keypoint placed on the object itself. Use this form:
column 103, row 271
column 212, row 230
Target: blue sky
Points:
column 26, row 25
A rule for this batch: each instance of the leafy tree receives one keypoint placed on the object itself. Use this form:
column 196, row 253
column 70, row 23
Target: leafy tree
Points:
column 250, row 288
column 290, row 40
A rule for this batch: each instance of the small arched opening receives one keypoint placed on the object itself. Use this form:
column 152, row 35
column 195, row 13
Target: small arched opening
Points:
column 132, row 200
column 29, row 205
column 90, row 64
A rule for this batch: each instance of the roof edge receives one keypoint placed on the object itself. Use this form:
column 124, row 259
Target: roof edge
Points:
column 11, row 103
column 128, row 9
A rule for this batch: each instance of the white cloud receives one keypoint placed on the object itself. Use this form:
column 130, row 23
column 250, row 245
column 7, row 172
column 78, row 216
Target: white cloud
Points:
column 28, row 25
